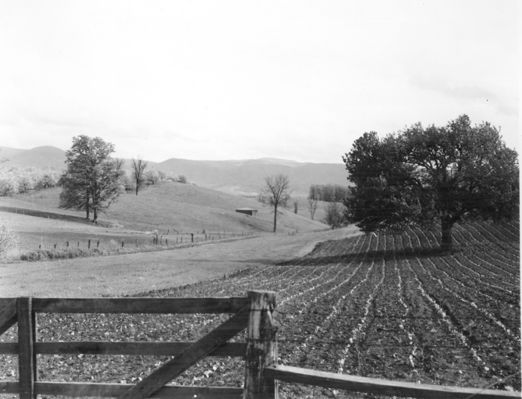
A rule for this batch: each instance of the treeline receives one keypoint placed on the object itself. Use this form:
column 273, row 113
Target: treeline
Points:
column 19, row 181
column 150, row 177
column 328, row 192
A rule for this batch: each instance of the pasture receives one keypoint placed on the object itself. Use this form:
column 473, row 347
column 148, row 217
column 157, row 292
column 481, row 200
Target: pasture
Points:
column 165, row 215
column 383, row 306
column 176, row 207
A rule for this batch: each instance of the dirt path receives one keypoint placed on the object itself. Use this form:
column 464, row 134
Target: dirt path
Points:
column 141, row 272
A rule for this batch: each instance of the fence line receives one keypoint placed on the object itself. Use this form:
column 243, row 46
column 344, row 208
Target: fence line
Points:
column 256, row 313
column 170, row 240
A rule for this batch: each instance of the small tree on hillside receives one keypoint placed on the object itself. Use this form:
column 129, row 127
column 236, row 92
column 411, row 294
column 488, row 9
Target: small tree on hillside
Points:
column 313, row 200
column 276, row 192
column 138, row 172
column 435, row 174
column 91, row 181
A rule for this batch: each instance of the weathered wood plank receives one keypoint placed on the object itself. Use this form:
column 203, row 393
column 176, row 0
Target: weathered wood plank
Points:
column 139, row 305
column 26, row 354
column 112, row 390
column 129, row 348
column 75, row 389
column 382, row 387
column 9, row 348
column 237, row 349
column 7, row 314
column 191, row 355
column 261, row 346
column 9, row 387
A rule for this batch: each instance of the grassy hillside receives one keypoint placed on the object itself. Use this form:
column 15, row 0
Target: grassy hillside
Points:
column 178, row 207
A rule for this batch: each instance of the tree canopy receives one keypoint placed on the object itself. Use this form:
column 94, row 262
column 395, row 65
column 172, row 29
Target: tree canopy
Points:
column 432, row 175
column 91, row 181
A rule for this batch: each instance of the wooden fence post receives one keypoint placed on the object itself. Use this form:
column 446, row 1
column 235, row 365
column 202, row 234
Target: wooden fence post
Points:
column 261, row 348
column 26, row 352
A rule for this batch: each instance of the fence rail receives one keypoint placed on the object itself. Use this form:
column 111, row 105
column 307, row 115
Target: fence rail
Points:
column 262, row 374
column 75, row 389
column 379, row 386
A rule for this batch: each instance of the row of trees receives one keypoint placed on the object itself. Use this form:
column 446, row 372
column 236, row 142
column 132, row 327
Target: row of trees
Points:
column 141, row 178
column 434, row 175
column 334, row 194
column 328, row 192
column 20, row 181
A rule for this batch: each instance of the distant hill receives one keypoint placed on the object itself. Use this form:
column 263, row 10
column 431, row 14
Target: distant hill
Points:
column 247, row 177
column 244, row 177
column 45, row 157
column 179, row 208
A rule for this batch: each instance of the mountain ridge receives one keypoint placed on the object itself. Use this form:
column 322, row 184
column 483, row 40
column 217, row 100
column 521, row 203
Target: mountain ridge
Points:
column 239, row 177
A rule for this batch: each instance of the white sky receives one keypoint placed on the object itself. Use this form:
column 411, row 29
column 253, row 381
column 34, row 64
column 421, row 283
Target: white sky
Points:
column 243, row 79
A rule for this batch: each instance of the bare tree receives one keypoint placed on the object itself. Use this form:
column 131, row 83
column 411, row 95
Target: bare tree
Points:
column 313, row 200
column 312, row 206
column 138, row 171
column 276, row 192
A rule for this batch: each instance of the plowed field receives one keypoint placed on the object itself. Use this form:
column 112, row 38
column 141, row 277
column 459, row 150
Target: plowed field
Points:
column 374, row 305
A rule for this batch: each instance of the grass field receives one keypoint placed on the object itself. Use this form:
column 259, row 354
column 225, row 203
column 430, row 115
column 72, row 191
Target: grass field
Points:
column 178, row 207
column 139, row 272
column 385, row 306
column 173, row 210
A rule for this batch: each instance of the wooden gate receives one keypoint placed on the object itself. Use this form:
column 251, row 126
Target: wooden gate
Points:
column 253, row 312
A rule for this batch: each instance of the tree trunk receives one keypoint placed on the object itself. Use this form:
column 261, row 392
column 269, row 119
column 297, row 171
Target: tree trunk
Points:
column 446, row 243
column 275, row 218
column 87, row 207
column 94, row 215
column 137, row 187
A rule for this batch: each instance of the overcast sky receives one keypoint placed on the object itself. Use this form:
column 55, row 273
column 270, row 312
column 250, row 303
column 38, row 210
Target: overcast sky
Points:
column 241, row 79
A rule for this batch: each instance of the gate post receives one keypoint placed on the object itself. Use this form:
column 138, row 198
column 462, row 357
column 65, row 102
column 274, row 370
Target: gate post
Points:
column 261, row 348
column 26, row 353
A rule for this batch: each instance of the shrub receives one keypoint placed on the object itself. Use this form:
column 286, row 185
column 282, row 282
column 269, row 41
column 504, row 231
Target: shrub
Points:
column 334, row 215
column 7, row 241
column 25, row 184
column 7, row 187
column 46, row 181
column 49, row 254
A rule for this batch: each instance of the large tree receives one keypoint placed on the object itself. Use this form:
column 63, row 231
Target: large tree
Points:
column 432, row 175
column 276, row 192
column 91, row 181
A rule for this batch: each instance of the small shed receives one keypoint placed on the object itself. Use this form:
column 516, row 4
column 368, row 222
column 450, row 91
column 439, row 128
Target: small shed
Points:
column 247, row 211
